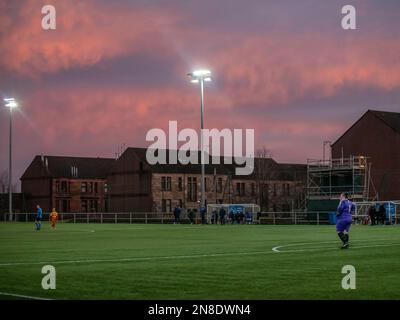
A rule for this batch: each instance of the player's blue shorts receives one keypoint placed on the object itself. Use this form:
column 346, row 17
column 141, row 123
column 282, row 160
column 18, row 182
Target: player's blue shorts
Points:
column 38, row 218
column 343, row 224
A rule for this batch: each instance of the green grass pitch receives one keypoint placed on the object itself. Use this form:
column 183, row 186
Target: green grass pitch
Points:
column 107, row 261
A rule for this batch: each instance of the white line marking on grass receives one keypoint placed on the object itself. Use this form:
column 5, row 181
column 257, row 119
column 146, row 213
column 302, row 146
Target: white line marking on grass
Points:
column 211, row 255
column 22, row 296
column 133, row 259
column 277, row 248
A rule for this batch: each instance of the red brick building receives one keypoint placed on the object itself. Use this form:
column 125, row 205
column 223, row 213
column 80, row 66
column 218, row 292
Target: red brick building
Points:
column 69, row 184
column 375, row 135
column 135, row 185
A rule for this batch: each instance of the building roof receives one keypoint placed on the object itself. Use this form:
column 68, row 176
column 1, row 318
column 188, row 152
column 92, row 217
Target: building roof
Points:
column 61, row 167
column 391, row 119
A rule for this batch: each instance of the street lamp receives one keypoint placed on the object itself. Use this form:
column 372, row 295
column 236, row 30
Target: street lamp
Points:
column 10, row 104
column 201, row 76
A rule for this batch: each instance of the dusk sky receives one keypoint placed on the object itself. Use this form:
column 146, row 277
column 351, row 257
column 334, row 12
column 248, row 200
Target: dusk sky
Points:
column 112, row 70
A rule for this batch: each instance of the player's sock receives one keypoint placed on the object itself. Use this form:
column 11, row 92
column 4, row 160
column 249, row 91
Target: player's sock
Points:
column 342, row 237
column 346, row 238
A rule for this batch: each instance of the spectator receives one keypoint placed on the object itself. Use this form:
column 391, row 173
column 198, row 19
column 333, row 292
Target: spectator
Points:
column 203, row 213
column 214, row 216
column 249, row 218
column 191, row 216
column 222, row 215
column 177, row 214
column 381, row 214
column 231, row 217
column 372, row 214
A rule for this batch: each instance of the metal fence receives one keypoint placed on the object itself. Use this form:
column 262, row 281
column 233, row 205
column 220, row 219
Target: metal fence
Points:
column 271, row 218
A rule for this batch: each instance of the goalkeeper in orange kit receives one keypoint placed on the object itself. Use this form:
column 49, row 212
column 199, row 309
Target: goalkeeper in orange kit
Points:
column 53, row 218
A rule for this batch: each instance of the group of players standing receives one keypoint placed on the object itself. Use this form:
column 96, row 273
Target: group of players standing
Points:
column 39, row 215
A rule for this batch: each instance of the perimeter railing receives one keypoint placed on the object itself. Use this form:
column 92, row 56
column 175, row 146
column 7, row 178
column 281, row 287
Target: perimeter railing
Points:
column 271, row 218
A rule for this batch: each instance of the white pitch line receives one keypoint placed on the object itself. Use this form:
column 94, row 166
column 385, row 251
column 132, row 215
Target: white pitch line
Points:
column 22, row 296
column 133, row 259
column 277, row 248
column 274, row 251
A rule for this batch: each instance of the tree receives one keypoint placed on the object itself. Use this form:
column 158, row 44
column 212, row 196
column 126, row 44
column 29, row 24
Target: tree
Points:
column 4, row 181
column 263, row 172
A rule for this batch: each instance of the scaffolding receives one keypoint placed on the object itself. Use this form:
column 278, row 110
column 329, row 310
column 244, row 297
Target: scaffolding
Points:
column 327, row 179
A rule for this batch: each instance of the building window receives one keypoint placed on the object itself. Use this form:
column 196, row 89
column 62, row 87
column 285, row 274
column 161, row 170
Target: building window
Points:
column 84, row 187
column 219, row 185
column 95, row 187
column 57, row 186
column 253, row 189
column 105, row 187
column 205, row 184
column 180, row 203
column 275, row 190
column 90, row 185
column 192, row 189
column 166, row 205
column 286, row 189
column 65, row 206
column 240, row 188
column 93, row 206
column 64, row 186
column 180, row 184
column 166, row 183
column 84, row 206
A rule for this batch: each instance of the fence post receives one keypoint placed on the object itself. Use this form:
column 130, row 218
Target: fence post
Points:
column 130, row 217
column 74, row 217
column 274, row 218
column 145, row 217
column 317, row 218
column 62, row 218
column 87, row 217
column 295, row 218
column 101, row 218
column 115, row 218
column 162, row 218
column 26, row 217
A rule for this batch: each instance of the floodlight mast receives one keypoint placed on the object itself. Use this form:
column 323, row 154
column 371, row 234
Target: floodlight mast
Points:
column 10, row 103
column 200, row 76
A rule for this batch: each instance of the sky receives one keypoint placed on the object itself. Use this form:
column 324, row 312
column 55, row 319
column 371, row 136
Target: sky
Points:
column 113, row 70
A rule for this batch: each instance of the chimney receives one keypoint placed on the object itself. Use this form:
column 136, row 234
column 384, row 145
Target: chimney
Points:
column 74, row 171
